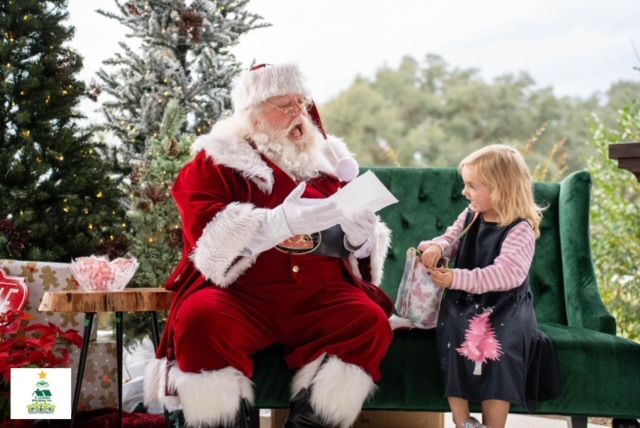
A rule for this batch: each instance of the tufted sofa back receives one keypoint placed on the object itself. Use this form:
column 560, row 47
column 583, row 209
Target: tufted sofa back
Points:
column 431, row 200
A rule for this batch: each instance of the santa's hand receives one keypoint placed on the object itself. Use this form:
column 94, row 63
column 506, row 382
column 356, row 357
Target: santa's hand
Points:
column 295, row 216
column 358, row 228
column 303, row 215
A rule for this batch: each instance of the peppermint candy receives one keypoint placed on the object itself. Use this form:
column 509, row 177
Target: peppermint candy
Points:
column 97, row 273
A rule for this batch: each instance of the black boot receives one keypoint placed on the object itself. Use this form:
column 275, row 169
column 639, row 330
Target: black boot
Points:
column 243, row 415
column 241, row 420
column 625, row 423
column 175, row 419
column 301, row 414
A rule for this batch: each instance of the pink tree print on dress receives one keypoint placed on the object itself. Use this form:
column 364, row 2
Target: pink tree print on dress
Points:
column 480, row 343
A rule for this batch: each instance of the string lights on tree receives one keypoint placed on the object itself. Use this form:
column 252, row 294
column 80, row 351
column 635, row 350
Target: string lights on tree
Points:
column 48, row 169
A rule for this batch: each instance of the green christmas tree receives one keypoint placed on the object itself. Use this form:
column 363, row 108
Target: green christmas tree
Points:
column 58, row 200
column 156, row 232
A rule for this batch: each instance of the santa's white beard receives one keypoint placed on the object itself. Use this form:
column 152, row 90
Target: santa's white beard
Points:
column 301, row 159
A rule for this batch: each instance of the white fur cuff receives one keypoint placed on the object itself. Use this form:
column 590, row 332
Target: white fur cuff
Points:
column 339, row 390
column 207, row 398
column 380, row 243
column 211, row 397
column 155, row 386
column 219, row 253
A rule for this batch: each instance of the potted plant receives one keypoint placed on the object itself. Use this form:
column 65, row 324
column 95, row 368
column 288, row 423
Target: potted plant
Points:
column 30, row 346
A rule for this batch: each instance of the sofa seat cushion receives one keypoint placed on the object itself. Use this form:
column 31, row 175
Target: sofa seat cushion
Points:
column 412, row 379
column 586, row 357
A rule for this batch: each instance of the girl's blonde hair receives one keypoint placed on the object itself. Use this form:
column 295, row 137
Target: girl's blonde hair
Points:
column 505, row 172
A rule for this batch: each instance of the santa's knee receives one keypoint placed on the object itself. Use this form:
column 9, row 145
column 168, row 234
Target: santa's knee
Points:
column 204, row 337
column 371, row 325
column 200, row 309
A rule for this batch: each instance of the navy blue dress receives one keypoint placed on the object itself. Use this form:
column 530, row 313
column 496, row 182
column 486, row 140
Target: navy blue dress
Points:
column 527, row 371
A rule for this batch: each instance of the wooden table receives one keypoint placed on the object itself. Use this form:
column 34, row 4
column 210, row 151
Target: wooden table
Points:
column 149, row 300
column 628, row 156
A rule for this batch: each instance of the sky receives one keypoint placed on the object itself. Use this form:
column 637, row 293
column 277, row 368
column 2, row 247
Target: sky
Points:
column 577, row 47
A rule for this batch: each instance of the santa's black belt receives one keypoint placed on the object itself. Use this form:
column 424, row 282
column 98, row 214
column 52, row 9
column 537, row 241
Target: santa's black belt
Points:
column 329, row 242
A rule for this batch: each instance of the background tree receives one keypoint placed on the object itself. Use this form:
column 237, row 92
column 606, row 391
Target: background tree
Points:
column 183, row 54
column 614, row 222
column 155, row 232
column 433, row 114
column 58, row 200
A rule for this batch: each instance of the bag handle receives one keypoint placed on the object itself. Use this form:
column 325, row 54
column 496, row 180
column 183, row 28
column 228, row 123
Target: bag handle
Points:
column 460, row 235
column 466, row 229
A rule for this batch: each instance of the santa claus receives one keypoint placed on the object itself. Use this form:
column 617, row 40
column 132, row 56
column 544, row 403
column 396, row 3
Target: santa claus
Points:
column 268, row 259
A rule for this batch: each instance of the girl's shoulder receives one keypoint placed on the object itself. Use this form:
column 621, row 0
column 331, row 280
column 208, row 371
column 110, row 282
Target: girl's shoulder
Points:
column 521, row 230
column 523, row 224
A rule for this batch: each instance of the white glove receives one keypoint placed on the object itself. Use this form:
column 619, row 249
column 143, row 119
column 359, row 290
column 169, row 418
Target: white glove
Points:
column 359, row 228
column 303, row 215
column 294, row 216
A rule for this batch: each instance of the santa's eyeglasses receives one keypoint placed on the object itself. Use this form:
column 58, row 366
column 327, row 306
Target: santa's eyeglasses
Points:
column 293, row 107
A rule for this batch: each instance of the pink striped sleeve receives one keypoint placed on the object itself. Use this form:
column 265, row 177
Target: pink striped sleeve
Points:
column 448, row 242
column 508, row 270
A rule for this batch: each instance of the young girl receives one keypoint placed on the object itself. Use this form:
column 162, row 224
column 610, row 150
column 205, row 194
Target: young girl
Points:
column 491, row 350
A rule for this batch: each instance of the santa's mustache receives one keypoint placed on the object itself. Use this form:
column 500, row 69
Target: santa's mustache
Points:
column 301, row 132
column 301, row 123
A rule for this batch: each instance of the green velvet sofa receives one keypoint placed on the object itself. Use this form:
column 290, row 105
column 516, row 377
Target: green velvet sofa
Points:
column 600, row 372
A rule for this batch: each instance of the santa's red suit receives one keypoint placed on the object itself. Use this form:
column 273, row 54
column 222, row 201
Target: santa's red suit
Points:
column 230, row 304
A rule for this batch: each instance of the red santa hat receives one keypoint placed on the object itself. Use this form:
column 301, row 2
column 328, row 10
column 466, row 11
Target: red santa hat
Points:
column 264, row 81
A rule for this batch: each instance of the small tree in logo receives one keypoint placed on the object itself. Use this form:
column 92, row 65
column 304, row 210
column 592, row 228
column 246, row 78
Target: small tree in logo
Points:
column 41, row 403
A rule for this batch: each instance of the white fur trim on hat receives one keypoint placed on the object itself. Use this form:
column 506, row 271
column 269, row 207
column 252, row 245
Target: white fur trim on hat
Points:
column 252, row 87
column 345, row 165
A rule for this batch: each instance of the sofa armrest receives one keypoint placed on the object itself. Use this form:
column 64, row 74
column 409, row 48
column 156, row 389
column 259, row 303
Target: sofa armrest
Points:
column 584, row 305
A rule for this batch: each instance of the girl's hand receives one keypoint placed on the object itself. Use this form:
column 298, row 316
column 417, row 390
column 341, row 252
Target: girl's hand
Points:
column 431, row 256
column 442, row 277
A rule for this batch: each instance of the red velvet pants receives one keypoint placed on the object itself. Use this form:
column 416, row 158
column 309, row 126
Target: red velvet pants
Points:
column 318, row 313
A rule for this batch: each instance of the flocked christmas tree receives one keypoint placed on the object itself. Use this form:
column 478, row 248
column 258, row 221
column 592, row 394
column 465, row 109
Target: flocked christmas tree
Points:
column 156, row 232
column 183, row 55
column 58, row 200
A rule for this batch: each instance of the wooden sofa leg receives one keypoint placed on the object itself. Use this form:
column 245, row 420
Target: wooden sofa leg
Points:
column 625, row 423
column 577, row 422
